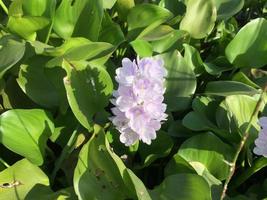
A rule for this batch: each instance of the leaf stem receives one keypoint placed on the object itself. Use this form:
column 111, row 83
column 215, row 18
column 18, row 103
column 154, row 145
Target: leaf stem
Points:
column 242, row 142
column 4, row 7
column 65, row 152
column 4, row 163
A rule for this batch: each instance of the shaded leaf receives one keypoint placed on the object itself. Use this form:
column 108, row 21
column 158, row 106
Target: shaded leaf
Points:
column 11, row 52
column 191, row 187
column 88, row 89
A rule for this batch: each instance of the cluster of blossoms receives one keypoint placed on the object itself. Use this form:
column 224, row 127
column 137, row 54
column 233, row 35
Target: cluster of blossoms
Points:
column 139, row 108
column 261, row 141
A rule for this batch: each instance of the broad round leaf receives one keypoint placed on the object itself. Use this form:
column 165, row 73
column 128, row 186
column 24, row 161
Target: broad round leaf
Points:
column 227, row 8
column 100, row 174
column 145, row 14
column 33, row 80
column 199, row 18
column 80, row 49
column 26, row 132
column 80, row 18
column 180, row 81
column 27, row 175
column 210, row 152
column 27, row 26
column 39, row 7
column 182, row 187
column 172, row 41
column 88, row 89
column 249, row 46
column 241, row 108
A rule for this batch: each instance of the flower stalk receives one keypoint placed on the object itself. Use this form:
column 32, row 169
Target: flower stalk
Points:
column 242, row 142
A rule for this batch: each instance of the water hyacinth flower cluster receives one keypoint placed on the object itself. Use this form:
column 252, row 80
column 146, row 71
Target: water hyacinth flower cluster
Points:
column 139, row 109
column 261, row 141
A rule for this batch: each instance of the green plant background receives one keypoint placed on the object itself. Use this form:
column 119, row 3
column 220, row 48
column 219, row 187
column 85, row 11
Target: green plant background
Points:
column 57, row 67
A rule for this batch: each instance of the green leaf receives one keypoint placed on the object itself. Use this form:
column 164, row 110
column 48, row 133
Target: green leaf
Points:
column 70, row 43
column 257, row 165
column 25, row 132
column 208, row 151
column 102, row 170
column 173, row 41
column 108, row 4
column 108, row 27
column 249, row 47
column 82, row 19
column 27, row 26
column 14, row 97
column 178, row 165
column 176, row 129
column 199, row 18
column 97, row 52
column 193, row 59
column 88, row 89
column 203, row 118
column 197, row 122
column 227, row 88
column 43, row 192
column 142, row 48
column 34, row 81
column 11, row 52
column 25, row 173
column 191, row 187
column 241, row 108
column 160, row 32
column 228, row 8
column 176, row 7
column 160, row 147
column 217, row 65
column 143, row 15
column 39, row 7
column 123, row 7
column 241, row 77
column 180, row 82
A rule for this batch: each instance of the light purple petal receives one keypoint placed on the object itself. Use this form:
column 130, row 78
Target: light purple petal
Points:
column 139, row 99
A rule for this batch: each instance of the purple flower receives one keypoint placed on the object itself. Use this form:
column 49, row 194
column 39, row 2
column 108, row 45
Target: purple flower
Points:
column 261, row 141
column 139, row 99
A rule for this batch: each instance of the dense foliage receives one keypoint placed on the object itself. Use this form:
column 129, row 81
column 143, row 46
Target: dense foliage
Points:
column 57, row 65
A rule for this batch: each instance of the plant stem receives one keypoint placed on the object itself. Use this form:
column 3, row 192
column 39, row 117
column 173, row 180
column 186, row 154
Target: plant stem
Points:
column 65, row 152
column 4, row 163
column 4, row 7
column 242, row 142
column 50, row 29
